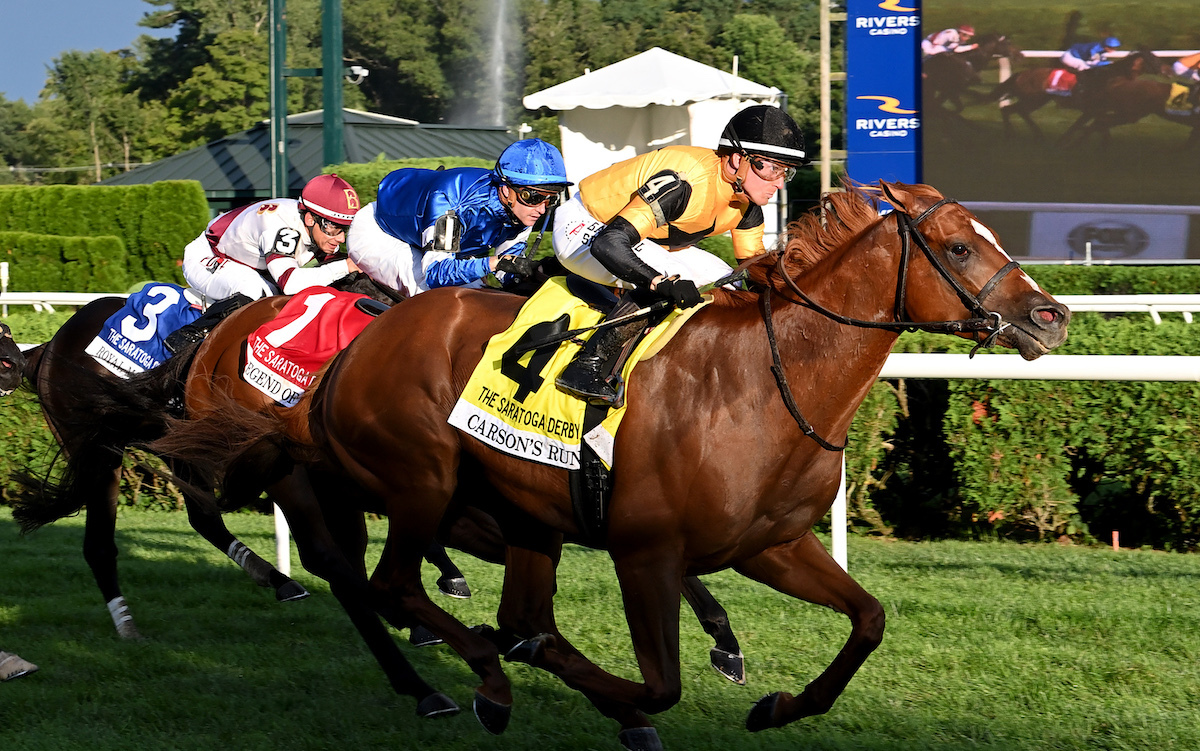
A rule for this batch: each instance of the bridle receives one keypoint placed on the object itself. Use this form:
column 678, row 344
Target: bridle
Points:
column 985, row 324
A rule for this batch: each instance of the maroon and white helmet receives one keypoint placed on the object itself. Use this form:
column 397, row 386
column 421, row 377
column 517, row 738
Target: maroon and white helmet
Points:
column 331, row 197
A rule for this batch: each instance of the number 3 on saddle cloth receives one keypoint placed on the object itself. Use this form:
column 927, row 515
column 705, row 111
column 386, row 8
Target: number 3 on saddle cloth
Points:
column 283, row 356
column 131, row 340
column 511, row 404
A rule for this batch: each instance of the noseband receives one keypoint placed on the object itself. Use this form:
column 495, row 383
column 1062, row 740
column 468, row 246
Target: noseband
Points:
column 986, row 324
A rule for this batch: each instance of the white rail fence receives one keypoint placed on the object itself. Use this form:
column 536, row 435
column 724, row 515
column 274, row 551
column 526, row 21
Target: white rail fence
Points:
column 898, row 365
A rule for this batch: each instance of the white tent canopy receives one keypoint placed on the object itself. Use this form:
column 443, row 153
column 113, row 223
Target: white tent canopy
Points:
column 645, row 102
column 652, row 77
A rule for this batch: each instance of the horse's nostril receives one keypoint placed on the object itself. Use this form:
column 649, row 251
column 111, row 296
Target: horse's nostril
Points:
column 1047, row 315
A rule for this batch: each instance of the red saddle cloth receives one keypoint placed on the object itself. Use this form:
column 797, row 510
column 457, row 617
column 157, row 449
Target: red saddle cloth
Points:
column 282, row 356
column 1060, row 81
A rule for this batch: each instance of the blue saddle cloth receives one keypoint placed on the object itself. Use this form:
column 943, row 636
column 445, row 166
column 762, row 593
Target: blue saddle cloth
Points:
column 131, row 340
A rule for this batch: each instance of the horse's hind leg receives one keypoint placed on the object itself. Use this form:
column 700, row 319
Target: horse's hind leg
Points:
column 451, row 581
column 726, row 655
column 100, row 550
column 804, row 569
column 322, row 556
column 212, row 527
column 651, row 591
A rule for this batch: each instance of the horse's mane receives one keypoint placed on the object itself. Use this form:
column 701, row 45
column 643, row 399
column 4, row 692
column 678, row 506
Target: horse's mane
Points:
column 838, row 219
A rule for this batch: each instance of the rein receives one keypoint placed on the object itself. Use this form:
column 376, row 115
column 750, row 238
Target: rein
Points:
column 991, row 323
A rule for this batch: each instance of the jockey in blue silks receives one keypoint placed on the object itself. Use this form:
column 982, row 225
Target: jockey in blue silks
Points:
column 436, row 228
column 1087, row 55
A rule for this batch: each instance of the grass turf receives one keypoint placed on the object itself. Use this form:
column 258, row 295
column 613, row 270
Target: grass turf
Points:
column 988, row 645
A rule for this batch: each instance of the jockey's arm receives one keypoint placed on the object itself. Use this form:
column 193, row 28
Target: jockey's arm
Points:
column 664, row 198
column 285, row 270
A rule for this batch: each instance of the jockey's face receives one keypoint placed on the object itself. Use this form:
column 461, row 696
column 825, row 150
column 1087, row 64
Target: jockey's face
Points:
column 326, row 235
column 758, row 188
column 525, row 213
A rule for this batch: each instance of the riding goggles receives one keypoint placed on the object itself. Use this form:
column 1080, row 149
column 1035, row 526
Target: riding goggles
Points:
column 331, row 228
column 770, row 171
column 534, row 197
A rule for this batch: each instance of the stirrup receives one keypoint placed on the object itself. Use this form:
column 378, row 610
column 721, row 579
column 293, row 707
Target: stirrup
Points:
column 595, row 390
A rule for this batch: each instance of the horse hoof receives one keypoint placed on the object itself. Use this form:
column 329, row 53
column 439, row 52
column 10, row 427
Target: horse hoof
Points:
column 640, row 739
column 732, row 666
column 290, row 591
column 455, row 587
column 419, row 636
column 128, row 631
column 437, row 704
column 762, row 714
column 492, row 715
column 528, row 650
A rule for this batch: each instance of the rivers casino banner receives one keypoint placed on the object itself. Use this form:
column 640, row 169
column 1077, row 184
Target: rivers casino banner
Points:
column 883, row 91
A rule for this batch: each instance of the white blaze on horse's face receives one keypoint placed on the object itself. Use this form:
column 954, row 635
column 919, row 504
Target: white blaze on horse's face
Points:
column 986, row 234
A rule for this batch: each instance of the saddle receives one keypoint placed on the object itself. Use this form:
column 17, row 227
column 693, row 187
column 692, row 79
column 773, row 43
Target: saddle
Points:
column 1060, row 82
column 1181, row 99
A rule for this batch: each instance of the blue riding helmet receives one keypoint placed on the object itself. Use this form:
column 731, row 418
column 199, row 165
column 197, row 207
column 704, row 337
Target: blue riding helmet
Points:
column 1112, row 42
column 532, row 161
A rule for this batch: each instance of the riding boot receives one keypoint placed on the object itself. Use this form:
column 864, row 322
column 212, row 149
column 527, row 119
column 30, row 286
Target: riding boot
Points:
column 197, row 330
column 584, row 377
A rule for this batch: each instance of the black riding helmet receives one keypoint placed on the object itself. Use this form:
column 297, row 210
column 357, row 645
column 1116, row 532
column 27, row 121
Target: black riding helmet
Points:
column 766, row 131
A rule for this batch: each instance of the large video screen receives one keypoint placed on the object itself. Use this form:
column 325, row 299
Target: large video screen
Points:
column 1069, row 165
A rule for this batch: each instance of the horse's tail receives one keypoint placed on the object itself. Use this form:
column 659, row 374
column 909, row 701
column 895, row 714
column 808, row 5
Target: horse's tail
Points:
column 95, row 417
column 241, row 450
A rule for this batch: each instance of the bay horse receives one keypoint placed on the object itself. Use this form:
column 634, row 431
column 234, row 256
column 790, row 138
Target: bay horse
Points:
column 1025, row 92
column 729, row 452
column 947, row 78
column 1125, row 102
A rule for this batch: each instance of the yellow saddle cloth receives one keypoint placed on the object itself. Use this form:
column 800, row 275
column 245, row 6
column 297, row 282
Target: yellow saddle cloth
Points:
column 511, row 403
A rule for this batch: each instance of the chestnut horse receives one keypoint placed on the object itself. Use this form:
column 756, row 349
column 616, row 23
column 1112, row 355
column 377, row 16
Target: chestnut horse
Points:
column 1125, row 102
column 728, row 454
column 1025, row 91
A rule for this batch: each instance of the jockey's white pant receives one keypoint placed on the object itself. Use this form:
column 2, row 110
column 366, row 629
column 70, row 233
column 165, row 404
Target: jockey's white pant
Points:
column 386, row 259
column 217, row 277
column 575, row 228
column 1075, row 63
column 1185, row 71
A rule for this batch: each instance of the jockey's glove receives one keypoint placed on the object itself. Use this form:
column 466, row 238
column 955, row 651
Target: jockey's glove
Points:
column 681, row 292
column 517, row 265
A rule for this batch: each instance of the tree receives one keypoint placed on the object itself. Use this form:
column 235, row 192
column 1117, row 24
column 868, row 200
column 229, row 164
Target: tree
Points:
column 88, row 84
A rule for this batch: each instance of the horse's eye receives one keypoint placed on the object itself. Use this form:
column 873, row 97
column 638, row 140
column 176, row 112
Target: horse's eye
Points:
column 960, row 250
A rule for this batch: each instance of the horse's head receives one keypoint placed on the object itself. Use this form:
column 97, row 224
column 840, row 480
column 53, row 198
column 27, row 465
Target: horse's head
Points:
column 12, row 361
column 1139, row 62
column 952, row 268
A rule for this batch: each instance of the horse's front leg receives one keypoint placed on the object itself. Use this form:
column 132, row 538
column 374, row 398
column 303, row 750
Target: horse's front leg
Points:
column 726, row 655
column 100, row 549
column 803, row 568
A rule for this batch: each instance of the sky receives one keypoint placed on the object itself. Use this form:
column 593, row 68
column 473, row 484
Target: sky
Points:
column 41, row 30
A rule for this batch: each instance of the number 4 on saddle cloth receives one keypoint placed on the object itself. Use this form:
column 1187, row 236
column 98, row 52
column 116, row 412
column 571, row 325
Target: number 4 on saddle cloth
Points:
column 132, row 339
column 511, row 403
column 283, row 356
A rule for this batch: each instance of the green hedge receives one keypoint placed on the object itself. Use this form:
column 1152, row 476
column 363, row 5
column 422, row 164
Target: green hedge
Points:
column 154, row 222
column 1041, row 459
column 53, row 263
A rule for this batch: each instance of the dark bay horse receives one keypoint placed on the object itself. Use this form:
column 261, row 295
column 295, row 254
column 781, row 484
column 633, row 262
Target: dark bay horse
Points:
column 728, row 454
column 947, row 78
column 60, row 374
column 12, row 362
column 1026, row 91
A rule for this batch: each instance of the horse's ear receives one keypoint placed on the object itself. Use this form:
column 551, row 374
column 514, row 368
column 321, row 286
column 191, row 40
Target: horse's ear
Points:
column 898, row 196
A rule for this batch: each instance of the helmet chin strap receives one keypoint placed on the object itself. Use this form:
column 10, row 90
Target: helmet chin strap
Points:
column 739, row 180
